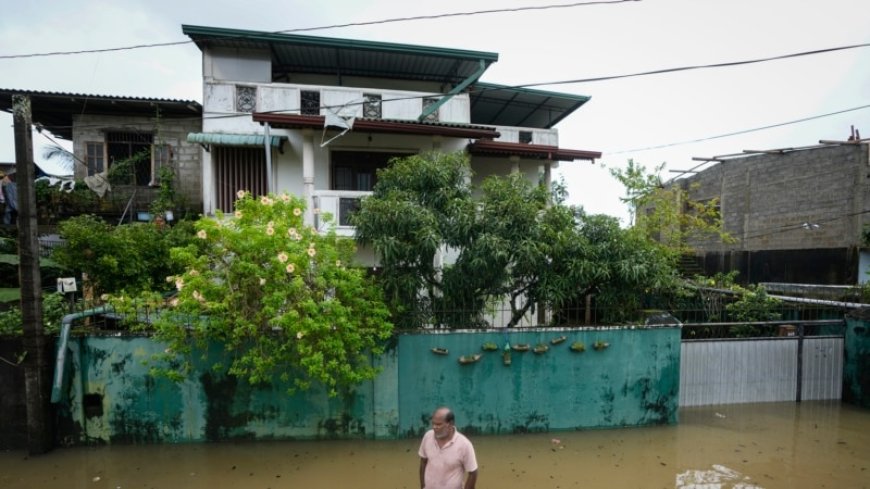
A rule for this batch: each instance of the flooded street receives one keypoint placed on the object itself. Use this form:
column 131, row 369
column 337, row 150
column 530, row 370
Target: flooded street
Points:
column 778, row 445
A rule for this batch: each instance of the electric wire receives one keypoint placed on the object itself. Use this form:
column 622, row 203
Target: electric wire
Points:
column 333, row 26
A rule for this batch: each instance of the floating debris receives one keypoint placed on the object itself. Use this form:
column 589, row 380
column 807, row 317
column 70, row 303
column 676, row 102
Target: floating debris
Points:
column 541, row 348
column 466, row 359
column 558, row 340
column 521, row 347
column 600, row 345
column 489, row 346
column 439, row 351
column 578, row 346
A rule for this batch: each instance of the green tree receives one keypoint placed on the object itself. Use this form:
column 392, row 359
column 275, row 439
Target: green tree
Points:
column 516, row 242
column 130, row 257
column 666, row 212
column 282, row 297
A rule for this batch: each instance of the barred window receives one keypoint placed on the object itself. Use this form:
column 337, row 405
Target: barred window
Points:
column 372, row 106
column 246, row 99
column 310, row 102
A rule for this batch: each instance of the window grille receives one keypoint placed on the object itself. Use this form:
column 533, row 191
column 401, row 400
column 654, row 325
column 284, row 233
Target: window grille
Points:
column 246, row 99
column 310, row 102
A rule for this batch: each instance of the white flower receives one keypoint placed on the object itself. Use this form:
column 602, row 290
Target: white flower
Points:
column 170, row 278
column 285, row 197
column 282, row 257
column 266, row 200
column 262, row 281
column 201, row 234
column 312, row 252
column 238, row 214
column 270, row 231
column 104, row 297
column 174, row 302
column 291, row 268
column 292, row 232
column 299, row 335
column 338, row 263
column 193, row 273
column 179, row 283
column 297, row 211
column 198, row 296
column 241, row 194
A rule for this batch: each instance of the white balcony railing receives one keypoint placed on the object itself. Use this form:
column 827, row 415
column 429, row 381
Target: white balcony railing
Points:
column 225, row 97
column 513, row 134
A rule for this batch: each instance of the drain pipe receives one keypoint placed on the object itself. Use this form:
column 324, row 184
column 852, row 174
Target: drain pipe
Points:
column 65, row 327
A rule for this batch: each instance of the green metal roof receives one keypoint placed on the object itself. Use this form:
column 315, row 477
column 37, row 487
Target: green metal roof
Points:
column 503, row 105
column 222, row 139
column 293, row 53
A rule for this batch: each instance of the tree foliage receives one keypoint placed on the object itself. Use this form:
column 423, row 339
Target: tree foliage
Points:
column 510, row 240
column 666, row 212
column 129, row 257
column 281, row 296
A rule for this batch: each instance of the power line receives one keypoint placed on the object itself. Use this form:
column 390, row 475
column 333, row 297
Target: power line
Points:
column 736, row 133
column 334, row 26
column 726, row 64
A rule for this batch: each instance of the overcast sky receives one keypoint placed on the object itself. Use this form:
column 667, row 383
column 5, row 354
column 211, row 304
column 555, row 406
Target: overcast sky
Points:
column 533, row 46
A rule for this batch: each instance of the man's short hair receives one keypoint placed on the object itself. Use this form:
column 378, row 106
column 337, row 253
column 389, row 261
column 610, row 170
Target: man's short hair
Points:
column 448, row 416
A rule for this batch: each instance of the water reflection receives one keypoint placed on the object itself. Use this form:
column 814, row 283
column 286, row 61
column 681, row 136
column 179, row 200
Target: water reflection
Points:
column 769, row 446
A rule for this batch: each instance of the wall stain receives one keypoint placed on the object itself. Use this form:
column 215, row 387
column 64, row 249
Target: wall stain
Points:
column 221, row 423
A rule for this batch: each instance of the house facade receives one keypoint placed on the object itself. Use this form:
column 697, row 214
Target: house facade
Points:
column 797, row 215
column 333, row 111
column 146, row 134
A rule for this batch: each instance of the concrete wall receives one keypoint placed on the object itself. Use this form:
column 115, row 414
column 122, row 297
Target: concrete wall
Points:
column 856, row 372
column 110, row 398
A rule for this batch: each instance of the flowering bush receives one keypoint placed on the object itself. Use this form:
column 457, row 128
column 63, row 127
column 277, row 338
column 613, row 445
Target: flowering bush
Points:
column 279, row 296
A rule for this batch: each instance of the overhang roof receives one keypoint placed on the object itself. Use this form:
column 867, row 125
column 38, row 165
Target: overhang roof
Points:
column 532, row 151
column 293, row 121
column 294, row 53
column 502, row 105
column 55, row 110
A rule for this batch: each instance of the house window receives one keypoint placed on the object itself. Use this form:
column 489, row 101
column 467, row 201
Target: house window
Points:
column 525, row 137
column 238, row 168
column 129, row 156
column 95, row 158
column 372, row 106
column 309, row 102
column 246, row 99
column 356, row 171
column 428, row 102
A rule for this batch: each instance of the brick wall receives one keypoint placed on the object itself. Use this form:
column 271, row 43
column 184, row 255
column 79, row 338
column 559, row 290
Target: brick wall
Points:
column 764, row 198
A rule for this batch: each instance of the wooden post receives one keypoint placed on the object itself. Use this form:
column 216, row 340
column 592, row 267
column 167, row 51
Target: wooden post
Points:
column 37, row 381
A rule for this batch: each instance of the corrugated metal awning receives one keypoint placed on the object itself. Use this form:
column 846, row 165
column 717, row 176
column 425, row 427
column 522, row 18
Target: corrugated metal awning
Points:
column 222, row 139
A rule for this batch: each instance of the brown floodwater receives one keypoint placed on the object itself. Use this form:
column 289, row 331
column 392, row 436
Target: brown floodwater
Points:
column 750, row 446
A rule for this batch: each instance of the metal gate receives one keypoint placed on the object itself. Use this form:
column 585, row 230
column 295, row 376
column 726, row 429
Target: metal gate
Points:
column 788, row 368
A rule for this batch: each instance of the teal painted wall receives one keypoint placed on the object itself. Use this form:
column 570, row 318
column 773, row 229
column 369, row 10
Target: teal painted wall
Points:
column 635, row 381
column 109, row 396
column 856, row 365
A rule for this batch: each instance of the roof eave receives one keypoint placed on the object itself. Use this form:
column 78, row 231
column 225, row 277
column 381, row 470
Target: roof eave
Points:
column 294, row 121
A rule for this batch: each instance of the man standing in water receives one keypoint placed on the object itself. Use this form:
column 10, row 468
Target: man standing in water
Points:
column 446, row 455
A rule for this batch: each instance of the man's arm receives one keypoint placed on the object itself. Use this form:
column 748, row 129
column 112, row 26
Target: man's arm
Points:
column 471, row 481
column 423, row 462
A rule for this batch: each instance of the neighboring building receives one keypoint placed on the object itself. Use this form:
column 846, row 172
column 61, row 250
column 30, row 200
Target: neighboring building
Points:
column 798, row 215
column 108, row 129
column 403, row 100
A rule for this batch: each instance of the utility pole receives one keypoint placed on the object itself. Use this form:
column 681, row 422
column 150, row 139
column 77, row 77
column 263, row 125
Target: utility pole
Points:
column 36, row 367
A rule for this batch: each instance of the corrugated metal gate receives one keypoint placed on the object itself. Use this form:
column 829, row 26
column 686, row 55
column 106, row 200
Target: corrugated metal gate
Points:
column 733, row 371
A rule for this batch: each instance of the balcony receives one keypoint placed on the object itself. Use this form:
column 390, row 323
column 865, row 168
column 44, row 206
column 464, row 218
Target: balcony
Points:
column 242, row 97
column 340, row 204
column 528, row 135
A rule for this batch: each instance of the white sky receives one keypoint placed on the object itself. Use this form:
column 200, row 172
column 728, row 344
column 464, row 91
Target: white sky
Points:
column 539, row 46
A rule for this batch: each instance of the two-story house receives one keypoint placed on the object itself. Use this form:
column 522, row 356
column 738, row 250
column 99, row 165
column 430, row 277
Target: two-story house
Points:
column 335, row 110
